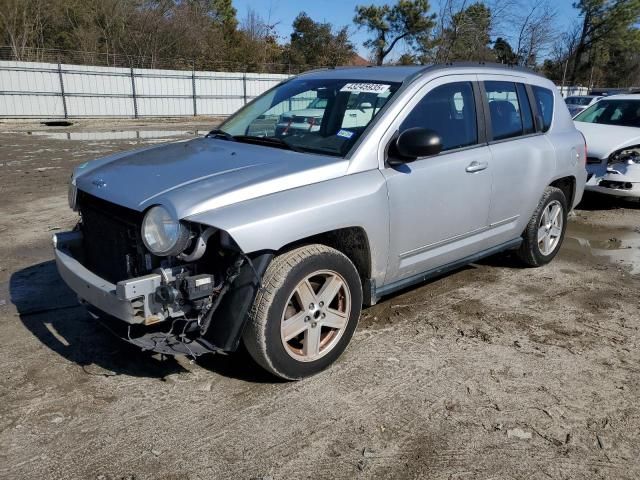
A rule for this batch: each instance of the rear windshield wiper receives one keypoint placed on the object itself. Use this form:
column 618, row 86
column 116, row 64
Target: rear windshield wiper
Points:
column 267, row 141
column 217, row 133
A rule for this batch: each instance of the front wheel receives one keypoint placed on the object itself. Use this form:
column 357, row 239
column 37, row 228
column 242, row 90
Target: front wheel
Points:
column 305, row 314
column 544, row 234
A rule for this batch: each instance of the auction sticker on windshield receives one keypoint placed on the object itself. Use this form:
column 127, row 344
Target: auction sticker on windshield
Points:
column 365, row 87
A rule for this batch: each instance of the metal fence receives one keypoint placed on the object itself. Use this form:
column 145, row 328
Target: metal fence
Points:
column 568, row 91
column 49, row 90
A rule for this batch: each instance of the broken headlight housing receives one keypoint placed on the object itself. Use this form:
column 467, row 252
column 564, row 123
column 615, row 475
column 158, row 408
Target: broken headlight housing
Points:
column 628, row 155
column 162, row 234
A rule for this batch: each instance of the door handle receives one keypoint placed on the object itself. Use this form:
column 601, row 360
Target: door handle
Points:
column 476, row 166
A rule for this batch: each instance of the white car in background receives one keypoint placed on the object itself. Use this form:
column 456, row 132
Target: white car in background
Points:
column 611, row 128
column 358, row 114
column 579, row 103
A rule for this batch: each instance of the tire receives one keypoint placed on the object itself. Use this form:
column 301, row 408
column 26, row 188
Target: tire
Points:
column 533, row 252
column 295, row 288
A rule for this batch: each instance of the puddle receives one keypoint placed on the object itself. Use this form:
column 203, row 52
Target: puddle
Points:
column 120, row 135
column 618, row 246
column 57, row 123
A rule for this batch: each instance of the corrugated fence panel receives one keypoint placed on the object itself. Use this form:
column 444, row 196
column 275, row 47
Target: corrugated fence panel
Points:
column 26, row 105
column 164, row 92
column 45, row 90
column 221, row 92
column 97, row 91
column 29, row 89
column 258, row 83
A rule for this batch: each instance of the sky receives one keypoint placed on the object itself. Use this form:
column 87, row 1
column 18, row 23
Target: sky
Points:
column 341, row 12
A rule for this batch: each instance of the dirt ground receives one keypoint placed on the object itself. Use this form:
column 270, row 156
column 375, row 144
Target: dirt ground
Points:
column 491, row 372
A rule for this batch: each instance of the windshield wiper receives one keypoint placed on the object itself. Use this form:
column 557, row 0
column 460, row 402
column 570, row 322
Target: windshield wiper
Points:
column 267, row 141
column 217, row 133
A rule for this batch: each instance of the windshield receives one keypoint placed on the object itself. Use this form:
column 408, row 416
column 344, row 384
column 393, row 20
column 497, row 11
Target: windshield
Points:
column 323, row 116
column 624, row 113
column 582, row 101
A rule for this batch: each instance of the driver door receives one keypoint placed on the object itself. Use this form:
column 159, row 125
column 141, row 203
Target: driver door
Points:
column 439, row 205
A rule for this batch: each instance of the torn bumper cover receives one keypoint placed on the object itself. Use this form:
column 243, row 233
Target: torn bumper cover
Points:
column 621, row 179
column 129, row 308
column 129, row 300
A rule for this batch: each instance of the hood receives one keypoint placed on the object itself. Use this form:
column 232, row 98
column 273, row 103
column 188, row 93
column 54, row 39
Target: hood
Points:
column 603, row 140
column 195, row 176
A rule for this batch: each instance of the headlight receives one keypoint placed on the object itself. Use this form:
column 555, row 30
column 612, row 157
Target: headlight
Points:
column 162, row 234
column 72, row 194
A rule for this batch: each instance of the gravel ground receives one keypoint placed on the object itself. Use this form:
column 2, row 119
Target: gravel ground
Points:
column 491, row 372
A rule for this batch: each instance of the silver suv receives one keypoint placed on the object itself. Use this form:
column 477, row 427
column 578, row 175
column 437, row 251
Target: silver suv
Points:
column 277, row 237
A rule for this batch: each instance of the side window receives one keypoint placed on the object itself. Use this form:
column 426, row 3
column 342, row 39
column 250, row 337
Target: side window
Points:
column 504, row 109
column 450, row 111
column 544, row 102
column 525, row 108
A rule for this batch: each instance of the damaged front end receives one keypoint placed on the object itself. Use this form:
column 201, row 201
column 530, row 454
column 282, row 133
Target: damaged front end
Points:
column 618, row 175
column 192, row 302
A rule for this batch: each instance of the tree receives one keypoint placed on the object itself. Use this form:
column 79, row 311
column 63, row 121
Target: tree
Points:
column 466, row 35
column 555, row 67
column 536, row 32
column 503, row 52
column 256, row 43
column 314, row 43
column 21, row 24
column 601, row 20
column 407, row 20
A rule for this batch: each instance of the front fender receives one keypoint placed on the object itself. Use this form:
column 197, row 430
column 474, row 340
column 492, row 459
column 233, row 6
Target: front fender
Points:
column 273, row 221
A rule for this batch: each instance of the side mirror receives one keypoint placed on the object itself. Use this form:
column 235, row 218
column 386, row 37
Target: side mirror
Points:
column 418, row 142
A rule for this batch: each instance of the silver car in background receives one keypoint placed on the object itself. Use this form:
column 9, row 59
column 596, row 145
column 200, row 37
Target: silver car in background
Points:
column 277, row 239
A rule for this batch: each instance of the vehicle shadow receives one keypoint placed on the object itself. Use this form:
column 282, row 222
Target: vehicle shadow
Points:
column 50, row 311
column 593, row 201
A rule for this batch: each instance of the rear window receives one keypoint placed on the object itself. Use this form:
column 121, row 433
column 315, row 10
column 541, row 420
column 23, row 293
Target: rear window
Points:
column 580, row 101
column 509, row 110
column 544, row 102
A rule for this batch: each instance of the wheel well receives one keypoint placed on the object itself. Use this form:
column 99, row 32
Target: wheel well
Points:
column 568, row 187
column 351, row 241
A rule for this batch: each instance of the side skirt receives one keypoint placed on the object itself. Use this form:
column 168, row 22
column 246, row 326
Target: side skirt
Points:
column 421, row 277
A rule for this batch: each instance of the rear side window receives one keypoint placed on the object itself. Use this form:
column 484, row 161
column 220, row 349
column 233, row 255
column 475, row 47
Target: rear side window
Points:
column 450, row 111
column 504, row 109
column 544, row 102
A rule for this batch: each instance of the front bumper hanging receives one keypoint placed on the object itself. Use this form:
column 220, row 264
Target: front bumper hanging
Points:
column 130, row 301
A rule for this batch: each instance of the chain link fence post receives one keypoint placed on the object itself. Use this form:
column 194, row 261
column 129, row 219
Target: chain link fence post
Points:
column 244, row 85
column 64, row 99
column 133, row 93
column 193, row 88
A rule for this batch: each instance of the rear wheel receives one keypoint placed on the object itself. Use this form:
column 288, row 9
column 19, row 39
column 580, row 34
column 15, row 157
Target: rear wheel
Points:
column 305, row 314
column 545, row 232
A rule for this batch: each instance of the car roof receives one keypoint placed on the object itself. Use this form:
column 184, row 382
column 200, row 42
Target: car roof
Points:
column 628, row 96
column 389, row 74
column 402, row 73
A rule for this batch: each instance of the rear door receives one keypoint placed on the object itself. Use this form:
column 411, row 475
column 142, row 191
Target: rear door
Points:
column 522, row 158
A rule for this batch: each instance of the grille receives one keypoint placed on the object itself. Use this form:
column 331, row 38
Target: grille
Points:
column 112, row 243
